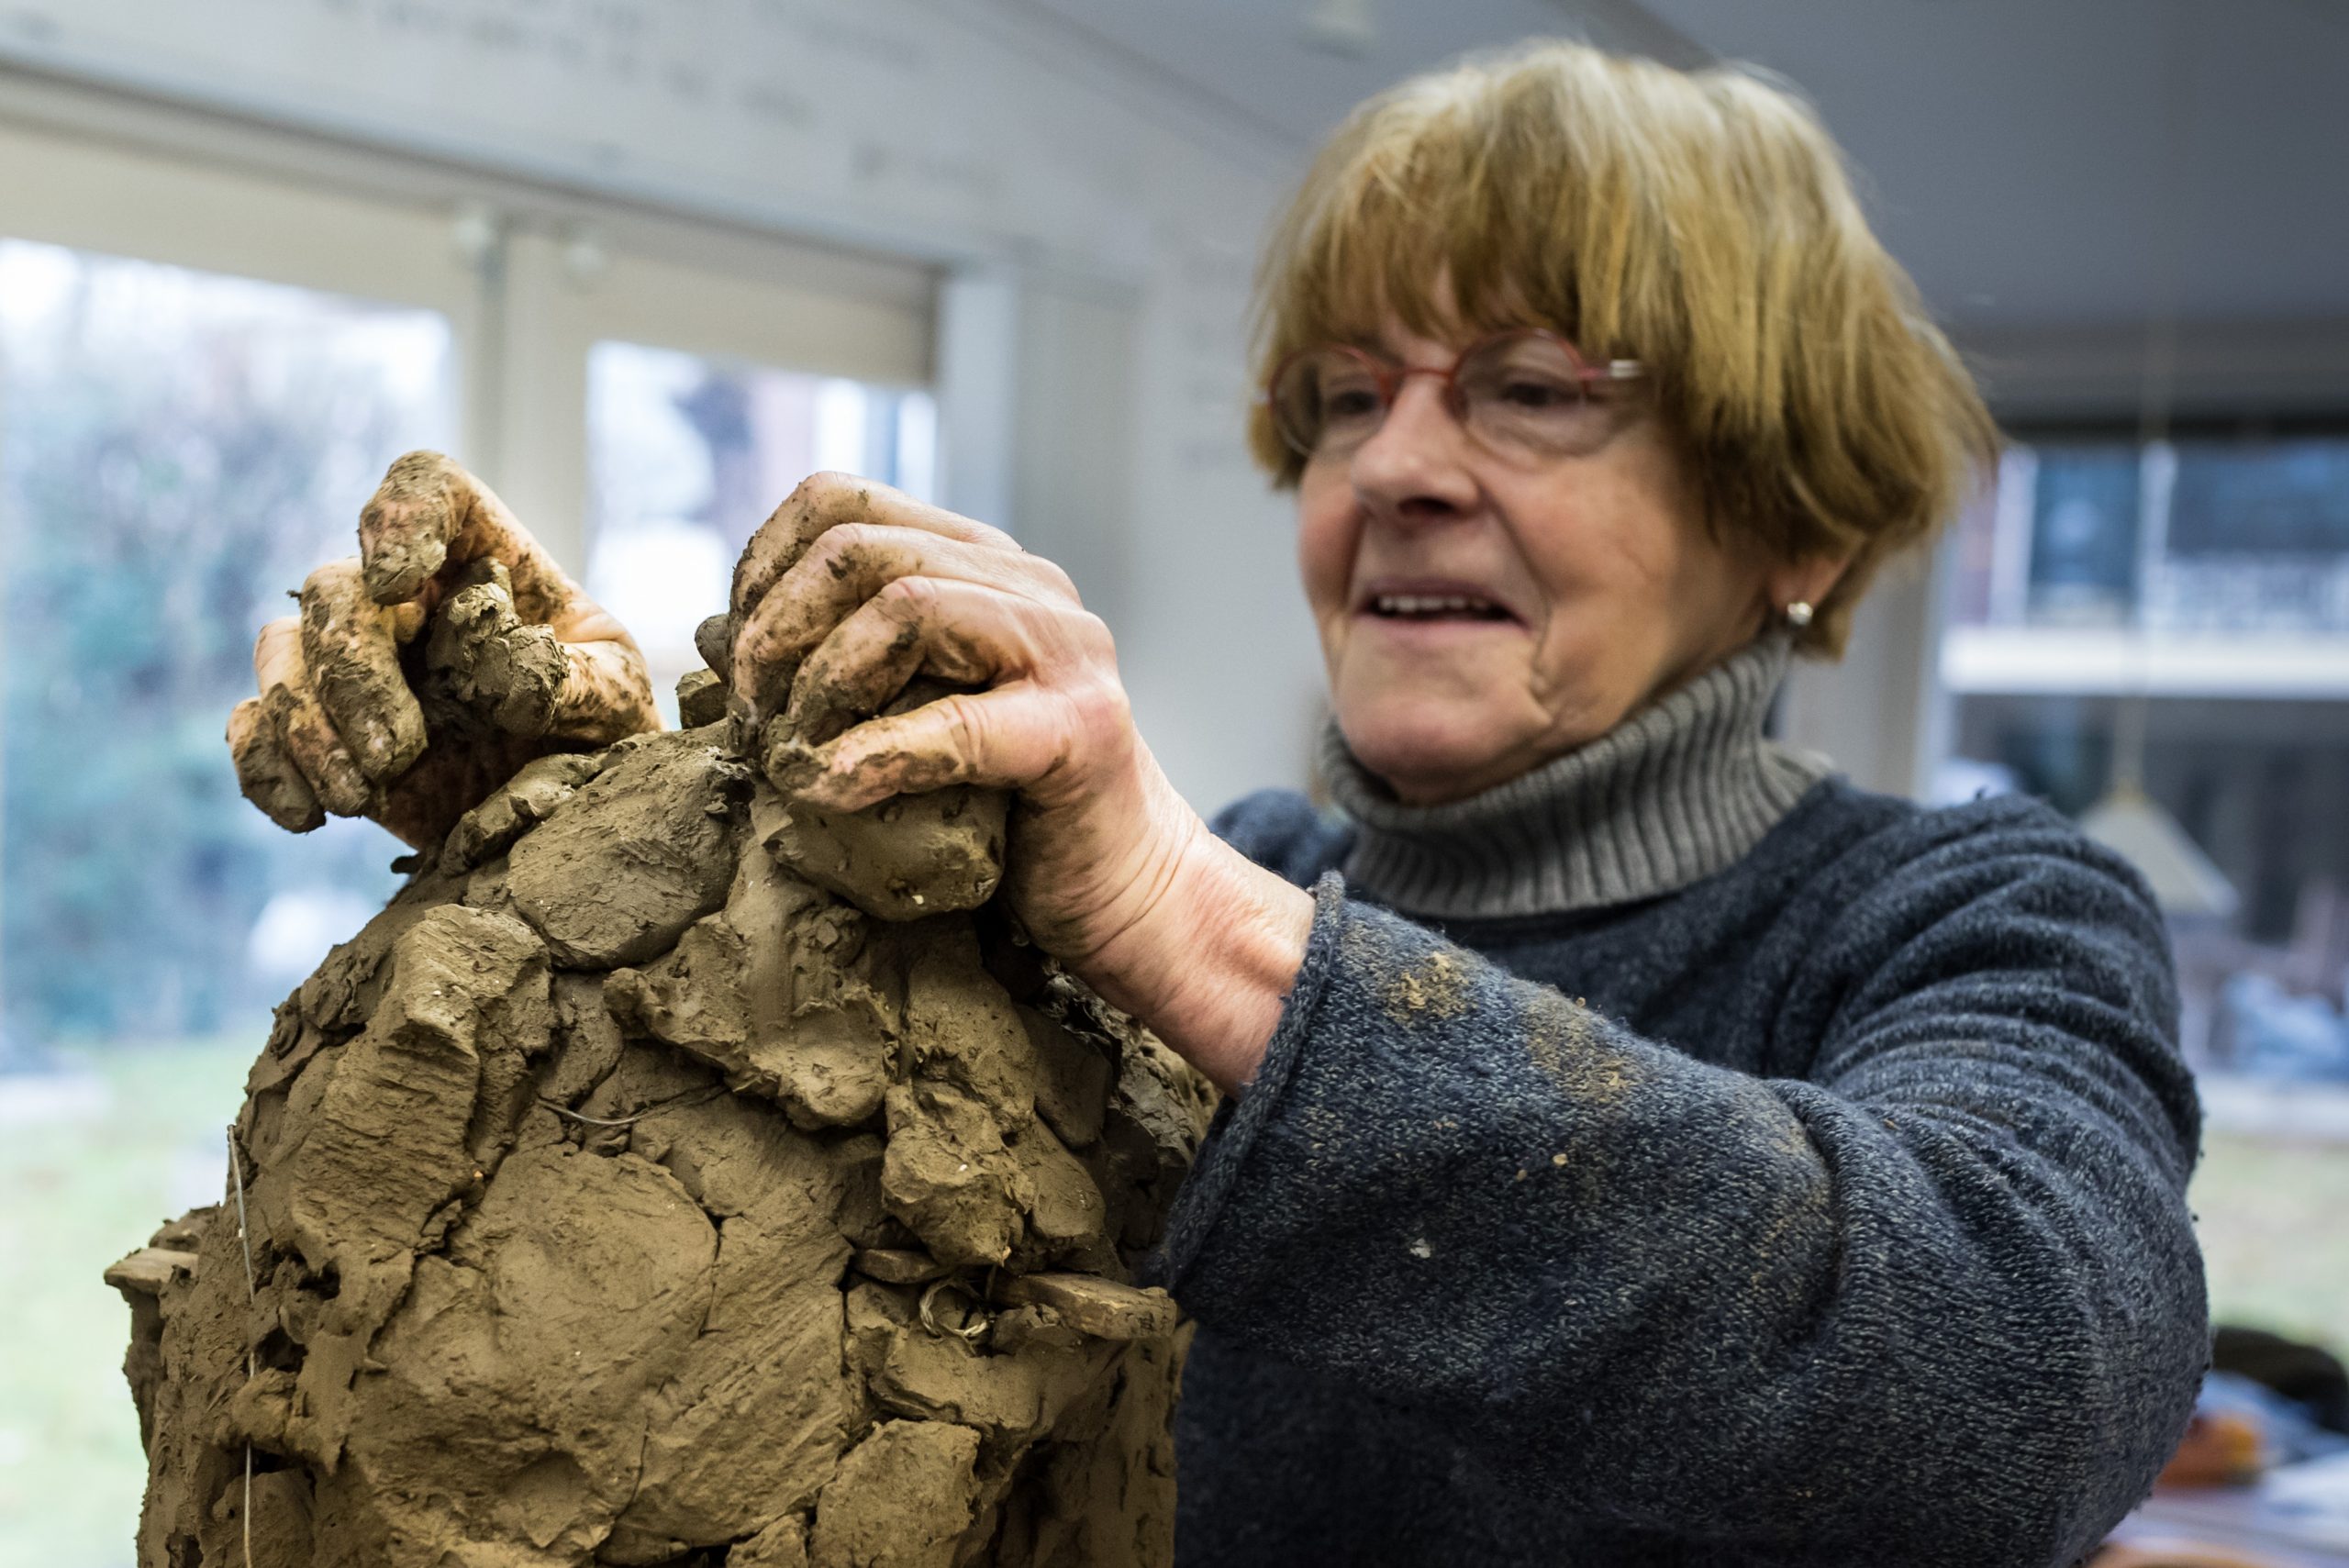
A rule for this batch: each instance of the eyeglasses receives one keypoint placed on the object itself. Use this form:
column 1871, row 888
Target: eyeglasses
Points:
column 1523, row 394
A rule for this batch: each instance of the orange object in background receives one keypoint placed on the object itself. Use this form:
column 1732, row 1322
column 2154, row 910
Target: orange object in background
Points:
column 2221, row 1448
column 2181, row 1555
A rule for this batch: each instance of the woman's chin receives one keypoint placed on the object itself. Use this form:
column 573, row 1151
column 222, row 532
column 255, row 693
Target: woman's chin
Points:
column 1427, row 753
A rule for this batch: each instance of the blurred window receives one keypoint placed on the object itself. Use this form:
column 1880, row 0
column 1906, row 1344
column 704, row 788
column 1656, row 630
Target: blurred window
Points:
column 182, row 437
column 2218, row 537
column 2202, row 583
column 2257, row 539
column 176, row 449
column 688, row 455
column 2085, row 506
column 2176, row 616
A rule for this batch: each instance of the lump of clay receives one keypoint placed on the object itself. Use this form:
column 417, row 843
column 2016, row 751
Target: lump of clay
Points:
column 626, row 1194
column 903, row 858
column 637, row 856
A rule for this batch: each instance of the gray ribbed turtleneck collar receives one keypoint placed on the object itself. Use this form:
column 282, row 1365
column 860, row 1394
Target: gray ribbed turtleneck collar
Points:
column 1677, row 792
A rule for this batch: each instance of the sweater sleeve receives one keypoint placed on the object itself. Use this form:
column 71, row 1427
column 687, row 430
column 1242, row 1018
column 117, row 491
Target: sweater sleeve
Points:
column 1938, row 1303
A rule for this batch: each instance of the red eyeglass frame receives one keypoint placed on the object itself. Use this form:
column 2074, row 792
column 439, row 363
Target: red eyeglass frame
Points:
column 1391, row 377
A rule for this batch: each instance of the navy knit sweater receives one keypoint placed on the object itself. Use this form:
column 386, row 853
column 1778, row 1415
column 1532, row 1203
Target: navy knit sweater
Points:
column 1828, row 1210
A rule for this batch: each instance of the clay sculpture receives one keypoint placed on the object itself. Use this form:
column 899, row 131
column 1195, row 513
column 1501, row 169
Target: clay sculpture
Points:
column 673, row 1174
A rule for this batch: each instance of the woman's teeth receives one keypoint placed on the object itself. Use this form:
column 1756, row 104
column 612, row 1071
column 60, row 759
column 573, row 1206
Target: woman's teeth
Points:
column 1435, row 605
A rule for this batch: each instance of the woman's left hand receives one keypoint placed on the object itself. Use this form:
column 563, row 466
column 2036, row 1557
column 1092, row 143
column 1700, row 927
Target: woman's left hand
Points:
column 853, row 588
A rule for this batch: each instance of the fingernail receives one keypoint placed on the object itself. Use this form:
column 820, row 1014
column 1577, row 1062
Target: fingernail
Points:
column 352, row 791
column 375, row 745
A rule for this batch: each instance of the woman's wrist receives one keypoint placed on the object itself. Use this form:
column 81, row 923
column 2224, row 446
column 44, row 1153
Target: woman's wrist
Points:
column 1210, row 965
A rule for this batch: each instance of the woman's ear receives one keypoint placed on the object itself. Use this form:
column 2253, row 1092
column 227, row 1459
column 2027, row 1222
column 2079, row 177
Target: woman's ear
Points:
column 1808, row 580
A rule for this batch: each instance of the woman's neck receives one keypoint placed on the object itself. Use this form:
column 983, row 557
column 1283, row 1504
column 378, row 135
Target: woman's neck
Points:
column 1677, row 790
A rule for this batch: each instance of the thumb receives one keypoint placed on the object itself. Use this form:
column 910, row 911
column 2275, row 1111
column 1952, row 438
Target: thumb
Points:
column 430, row 511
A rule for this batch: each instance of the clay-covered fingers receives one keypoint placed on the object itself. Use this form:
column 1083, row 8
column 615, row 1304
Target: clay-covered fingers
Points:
column 844, row 568
column 303, row 732
column 1015, row 737
column 428, row 514
column 432, row 531
column 406, row 529
column 350, row 649
column 606, row 692
column 822, row 502
column 265, row 775
column 958, row 632
column 510, row 673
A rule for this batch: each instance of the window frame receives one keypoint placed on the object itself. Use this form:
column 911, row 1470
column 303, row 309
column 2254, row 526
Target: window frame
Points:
column 528, row 276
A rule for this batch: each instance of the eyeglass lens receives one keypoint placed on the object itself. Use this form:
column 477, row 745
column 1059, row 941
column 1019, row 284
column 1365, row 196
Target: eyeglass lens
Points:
column 1523, row 394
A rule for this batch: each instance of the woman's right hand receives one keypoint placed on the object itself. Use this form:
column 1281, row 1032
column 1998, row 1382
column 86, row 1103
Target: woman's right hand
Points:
column 422, row 673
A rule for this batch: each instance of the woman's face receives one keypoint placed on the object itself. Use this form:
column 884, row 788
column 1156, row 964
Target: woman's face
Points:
column 1481, row 614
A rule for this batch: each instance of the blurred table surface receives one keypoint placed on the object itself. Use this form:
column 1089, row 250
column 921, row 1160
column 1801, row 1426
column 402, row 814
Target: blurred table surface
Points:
column 2293, row 1516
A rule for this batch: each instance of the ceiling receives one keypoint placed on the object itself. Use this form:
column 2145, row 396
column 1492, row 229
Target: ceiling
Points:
column 2034, row 162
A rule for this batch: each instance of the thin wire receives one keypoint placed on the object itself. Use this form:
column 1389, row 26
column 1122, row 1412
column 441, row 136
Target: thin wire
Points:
column 252, row 1295
column 680, row 1103
column 252, row 1290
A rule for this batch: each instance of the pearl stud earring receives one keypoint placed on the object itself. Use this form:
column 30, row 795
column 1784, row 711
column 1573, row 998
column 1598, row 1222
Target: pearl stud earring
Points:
column 1798, row 613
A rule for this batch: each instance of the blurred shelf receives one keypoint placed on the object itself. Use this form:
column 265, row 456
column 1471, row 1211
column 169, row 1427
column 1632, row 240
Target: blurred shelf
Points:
column 2110, row 662
column 2275, row 1108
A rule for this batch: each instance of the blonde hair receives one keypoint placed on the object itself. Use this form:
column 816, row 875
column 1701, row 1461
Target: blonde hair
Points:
column 1701, row 222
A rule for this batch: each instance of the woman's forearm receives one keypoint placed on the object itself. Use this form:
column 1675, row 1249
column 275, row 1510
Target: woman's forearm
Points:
column 1209, row 963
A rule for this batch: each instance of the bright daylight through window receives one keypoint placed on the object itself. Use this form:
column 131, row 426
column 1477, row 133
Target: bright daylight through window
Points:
column 177, row 448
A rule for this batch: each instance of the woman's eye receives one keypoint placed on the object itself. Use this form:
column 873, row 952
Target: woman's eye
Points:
column 1536, row 392
column 1349, row 403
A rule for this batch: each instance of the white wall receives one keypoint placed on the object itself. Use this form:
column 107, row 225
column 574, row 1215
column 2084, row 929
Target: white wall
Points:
column 1871, row 711
column 1095, row 227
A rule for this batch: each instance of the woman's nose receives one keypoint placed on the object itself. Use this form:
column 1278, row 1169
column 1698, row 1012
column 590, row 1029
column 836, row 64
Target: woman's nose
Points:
column 1416, row 463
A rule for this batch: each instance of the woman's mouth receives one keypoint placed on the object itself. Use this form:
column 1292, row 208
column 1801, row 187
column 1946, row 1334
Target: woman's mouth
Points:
column 1436, row 606
column 1432, row 601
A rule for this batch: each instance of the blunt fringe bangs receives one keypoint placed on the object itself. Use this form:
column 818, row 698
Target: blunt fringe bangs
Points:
column 1701, row 222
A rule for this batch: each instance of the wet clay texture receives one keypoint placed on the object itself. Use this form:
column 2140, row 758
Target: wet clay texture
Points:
column 667, row 1176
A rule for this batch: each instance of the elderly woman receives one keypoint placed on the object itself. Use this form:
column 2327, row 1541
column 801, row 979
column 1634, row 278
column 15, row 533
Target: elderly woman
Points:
column 1642, row 1147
